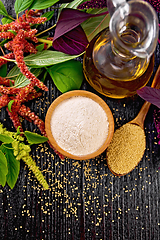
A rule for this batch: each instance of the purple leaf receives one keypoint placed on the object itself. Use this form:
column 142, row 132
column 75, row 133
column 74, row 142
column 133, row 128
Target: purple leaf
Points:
column 71, row 18
column 73, row 42
column 68, row 21
column 150, row 94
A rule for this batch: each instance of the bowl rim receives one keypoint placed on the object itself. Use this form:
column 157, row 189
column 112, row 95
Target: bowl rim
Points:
column 97, row 99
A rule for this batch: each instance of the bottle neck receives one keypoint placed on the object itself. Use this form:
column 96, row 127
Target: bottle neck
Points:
column 134, row 28
column 113, row 5
column 115, row 62
column 120, row 52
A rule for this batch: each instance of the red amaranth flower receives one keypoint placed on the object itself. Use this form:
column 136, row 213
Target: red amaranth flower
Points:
column 7, row 56
column 93, row 4
column 8, row 90
column 18, row 44
column 15, row 119
column 23, row 93
column 32, row 96
column 18, row 25
column 26, row 112
column 156, row 119
column 31, row 35
column 33, row 20
column 4, row 100
column 5, row 27
column 35, row 13
column 155, row 4
column 6, row 35
column 29, row 47
column 6, row 81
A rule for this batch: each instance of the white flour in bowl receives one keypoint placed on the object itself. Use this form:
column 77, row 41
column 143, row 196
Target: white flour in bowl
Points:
column 79, row 125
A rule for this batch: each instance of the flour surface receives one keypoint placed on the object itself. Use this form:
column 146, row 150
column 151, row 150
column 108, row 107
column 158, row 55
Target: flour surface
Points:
column 79, row 125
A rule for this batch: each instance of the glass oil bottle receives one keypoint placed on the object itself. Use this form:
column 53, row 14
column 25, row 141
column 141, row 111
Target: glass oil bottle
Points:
column 120, row 59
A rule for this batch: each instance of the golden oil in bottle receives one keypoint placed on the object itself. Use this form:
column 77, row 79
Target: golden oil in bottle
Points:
column 113, row 71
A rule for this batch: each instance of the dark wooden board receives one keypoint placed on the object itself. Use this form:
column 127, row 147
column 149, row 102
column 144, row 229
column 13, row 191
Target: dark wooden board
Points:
column 85, row 200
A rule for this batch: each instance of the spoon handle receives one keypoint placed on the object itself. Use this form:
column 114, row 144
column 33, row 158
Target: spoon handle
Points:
column 139, row 119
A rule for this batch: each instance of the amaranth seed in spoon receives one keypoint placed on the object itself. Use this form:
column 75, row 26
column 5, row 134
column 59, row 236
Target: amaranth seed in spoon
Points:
column 126, row 149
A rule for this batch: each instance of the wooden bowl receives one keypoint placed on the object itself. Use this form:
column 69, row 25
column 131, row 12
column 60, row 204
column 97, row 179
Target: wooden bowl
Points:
column 92, row 96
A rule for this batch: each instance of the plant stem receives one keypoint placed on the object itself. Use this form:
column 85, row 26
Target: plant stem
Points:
column 46, row 30
column 10, row 17
column 45, row 41
column 9, row 60
column 2, row 51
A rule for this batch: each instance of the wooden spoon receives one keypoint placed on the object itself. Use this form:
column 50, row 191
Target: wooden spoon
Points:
column 118, row 163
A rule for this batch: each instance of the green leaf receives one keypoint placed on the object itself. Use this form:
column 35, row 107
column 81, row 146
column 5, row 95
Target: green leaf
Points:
column 42, row 4
column 3, row 11
column 2, row 148
column 3, row 42
column 93, row 26
column 13, row 168
column 5, row 146
column 10, row 84
column 74, row 4
column 10, row 30
column 48, row 15
column 6, row 20
column 22, row 81
column 34, row 138
column 45, row 37
column 6, row 139
column 67, row 76
column 44, row 76
column 14, row 72
column 21, row 5
column 40, row 47
column 47, row 58
column 10, row 105
column 3, row 168
column 18, row 131
column 3, row 70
